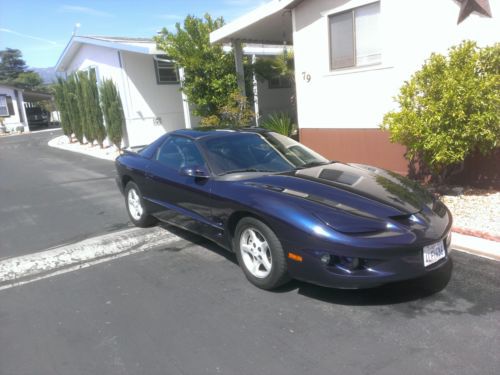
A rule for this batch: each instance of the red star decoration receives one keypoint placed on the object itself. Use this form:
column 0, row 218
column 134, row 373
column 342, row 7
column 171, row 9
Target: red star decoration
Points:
column 469, row 6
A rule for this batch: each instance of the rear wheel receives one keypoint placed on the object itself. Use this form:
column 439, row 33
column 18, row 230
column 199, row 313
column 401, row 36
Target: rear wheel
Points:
column 136, row 208
column 260, row 254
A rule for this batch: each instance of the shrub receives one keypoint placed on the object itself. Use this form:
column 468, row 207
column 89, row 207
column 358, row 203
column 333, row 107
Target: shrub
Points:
column 450, row 108
column 113, row 112
column 63, row 107
column 94, row 109
column 82, row 89
column 70, row 90
column 280, row 123
column 209, row 72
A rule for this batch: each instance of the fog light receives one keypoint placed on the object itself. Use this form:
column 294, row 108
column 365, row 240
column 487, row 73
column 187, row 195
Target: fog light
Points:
column 325, row 259
column 349, row 262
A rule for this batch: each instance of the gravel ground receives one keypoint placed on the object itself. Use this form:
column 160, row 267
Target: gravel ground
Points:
column 108, row 152
column 476, row 210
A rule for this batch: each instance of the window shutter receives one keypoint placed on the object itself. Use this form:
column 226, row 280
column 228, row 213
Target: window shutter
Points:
column 6, row 107
column 10, row 106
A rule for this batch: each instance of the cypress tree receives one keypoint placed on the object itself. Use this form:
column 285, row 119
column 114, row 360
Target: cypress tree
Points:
column 84, row 105
column 72, row 97
column 95, row 113
column 62, row 105
column 113, row 112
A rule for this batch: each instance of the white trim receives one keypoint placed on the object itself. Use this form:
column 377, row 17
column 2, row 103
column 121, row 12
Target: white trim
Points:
column 348, row 6
column 75, row 42
column 381, row 65
column 249, row 19
column 360, row 69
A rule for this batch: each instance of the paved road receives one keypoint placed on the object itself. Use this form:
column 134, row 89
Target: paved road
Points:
column 49, row 197
column 186, row 308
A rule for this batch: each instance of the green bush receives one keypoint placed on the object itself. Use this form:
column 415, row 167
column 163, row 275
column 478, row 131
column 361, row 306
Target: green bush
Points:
column 63, row 107
column 209, row 72
column 280, row 123
column 94, row 109
column 113, row 112
column 70, row 91
column 450, row 108
column 82, row 89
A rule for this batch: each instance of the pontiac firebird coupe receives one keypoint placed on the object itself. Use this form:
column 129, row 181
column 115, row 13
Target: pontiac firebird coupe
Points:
column 286, row 211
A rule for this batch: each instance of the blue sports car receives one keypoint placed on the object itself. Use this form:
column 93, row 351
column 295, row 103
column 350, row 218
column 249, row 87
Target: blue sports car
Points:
column 286, row 211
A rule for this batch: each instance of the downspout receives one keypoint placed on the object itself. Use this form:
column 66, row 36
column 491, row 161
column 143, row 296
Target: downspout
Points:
column 255, row 93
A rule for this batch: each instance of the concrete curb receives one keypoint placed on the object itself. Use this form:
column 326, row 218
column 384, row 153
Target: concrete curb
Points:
column 476, row 246
column 32, row 267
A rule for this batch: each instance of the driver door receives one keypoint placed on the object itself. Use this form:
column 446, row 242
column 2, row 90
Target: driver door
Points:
column 179, row 199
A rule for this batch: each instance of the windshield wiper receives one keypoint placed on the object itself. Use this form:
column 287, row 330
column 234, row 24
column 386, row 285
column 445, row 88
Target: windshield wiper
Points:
column 245, row 170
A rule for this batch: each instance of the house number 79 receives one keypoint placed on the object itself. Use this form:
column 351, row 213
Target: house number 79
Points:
column 306, row 77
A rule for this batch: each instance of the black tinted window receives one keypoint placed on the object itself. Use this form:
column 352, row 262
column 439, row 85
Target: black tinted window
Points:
column 241, row 151
column 179, row 152
column 252, row 152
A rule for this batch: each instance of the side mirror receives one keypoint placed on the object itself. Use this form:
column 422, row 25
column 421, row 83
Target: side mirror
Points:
column 195, row 171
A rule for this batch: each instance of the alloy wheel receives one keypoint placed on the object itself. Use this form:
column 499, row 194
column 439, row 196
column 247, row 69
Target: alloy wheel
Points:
column 256, row 253
column 134, row 204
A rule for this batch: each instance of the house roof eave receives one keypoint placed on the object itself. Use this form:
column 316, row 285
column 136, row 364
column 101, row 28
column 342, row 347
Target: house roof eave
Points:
column 148, row 48
column 267, row 24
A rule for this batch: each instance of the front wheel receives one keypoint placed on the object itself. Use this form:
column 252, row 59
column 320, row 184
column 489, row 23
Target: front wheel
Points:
column 136, row 208
column 260, row 254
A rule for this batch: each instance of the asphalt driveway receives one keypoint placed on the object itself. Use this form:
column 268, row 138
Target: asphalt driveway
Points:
column 187, row 309
column 49, row 197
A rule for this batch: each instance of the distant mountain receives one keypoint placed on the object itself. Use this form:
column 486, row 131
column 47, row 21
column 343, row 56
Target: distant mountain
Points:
column 48, row 75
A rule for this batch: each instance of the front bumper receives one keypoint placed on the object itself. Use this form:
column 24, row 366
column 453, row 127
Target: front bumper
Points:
column 402, row 264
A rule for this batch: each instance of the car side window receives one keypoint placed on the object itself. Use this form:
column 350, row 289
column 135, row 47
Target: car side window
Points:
column 179, row 152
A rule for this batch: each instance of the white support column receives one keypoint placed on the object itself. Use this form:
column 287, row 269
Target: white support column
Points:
column 238, row 59
column 185, row 103
column 255, row 94
column 23, row 118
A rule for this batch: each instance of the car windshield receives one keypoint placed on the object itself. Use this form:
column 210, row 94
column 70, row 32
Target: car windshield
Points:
column 253, row 152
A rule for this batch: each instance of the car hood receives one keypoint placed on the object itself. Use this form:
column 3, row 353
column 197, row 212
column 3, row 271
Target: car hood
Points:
column 351, row 187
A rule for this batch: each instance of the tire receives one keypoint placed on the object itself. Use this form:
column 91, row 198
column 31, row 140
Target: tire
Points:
column 260, row 254
column 136, row 208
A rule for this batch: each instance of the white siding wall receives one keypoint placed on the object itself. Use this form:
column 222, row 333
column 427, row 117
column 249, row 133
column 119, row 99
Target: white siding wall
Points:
column 410, row 31
column 14, row 119
column 144, row 101
column 105, row 59
column 153, row 109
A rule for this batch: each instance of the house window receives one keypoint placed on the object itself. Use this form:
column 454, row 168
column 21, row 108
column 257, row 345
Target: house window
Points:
column 354, row 37
column 166, row 71
column 279, row 82
column 4, row 108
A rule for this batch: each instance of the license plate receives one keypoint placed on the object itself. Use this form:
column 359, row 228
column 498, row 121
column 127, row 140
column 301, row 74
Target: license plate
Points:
column 434, row 252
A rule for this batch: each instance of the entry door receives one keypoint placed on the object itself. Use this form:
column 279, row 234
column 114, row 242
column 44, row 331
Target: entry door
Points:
column 181, row 200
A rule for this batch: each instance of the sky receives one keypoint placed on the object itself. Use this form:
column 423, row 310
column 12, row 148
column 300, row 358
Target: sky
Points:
column 42, row 28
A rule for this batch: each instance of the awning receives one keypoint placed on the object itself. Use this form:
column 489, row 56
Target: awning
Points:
column 268, row 24
column 35, row 96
